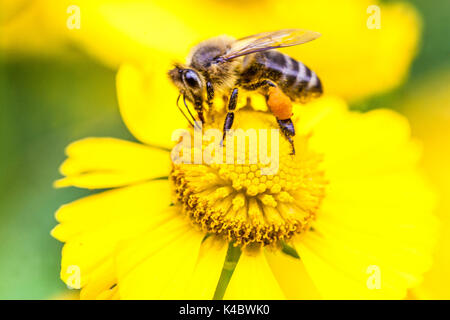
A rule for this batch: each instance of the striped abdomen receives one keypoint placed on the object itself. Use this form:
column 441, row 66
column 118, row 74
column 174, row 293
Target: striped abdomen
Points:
column 296, row 80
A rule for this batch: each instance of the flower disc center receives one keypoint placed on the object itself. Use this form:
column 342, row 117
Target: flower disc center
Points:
column 256, row 192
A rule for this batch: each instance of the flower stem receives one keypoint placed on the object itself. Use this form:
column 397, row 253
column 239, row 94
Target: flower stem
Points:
column 231, row 260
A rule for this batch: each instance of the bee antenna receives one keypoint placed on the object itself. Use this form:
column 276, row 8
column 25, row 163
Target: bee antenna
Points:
column 188, row 120
column 187, row 108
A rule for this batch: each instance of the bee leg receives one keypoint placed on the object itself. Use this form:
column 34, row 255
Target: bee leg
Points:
column 209, row 94
column 230, row 115
column 287, row 128
column 286, row 125
column 280, row 107
column 264, row 84
column 200, row 115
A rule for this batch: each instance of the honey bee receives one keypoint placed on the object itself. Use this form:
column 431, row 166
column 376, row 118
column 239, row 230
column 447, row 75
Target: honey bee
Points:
column 224, row 65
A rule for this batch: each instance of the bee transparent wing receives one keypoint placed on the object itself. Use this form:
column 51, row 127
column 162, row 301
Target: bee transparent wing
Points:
column 269, row 40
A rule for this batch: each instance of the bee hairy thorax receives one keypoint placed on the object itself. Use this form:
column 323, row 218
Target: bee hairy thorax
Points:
column 295, row 79
column 202, row 60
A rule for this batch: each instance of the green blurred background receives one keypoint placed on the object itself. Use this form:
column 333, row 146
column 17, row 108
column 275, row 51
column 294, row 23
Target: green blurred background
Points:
column 48, row 102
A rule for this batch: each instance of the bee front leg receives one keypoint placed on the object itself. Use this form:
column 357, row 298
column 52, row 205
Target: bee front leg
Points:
column 200, row 114
column 232, row 102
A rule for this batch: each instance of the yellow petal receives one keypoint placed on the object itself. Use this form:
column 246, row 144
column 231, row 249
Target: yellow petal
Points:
column 364, row 61
column 253, row 280
column 377, row 210
column 140, row 31
column 291, row 276
column 203, row 282
column 358, row 143
column 108, row 162
column 159, row 264
column 101, row 280
column 29, row 27
column 148, row 103
column 110, row 294
column 93, row 226
column 139, row 27
column 141, row 201
column 341, row 270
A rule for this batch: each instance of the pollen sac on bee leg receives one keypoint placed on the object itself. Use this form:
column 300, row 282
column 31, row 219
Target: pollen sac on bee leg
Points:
column 279, row 103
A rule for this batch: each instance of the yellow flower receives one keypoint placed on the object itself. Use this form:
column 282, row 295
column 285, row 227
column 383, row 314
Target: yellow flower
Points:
column 349, row 216
column 67, row 295
column 26, row 27
column 352, row 60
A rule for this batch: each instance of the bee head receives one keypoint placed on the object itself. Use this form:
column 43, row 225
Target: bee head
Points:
column 190, row 84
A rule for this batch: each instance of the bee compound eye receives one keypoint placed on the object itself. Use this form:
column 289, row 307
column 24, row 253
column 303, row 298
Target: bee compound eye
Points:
column 191, row 78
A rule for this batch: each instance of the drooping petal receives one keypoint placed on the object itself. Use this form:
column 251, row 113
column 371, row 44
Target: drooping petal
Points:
column 147, row 103
column 93, row 226
column 107, row 162
column 367, row 57
column 159, row 264
column 377, row 212
column 291, row 276
column 253, row 280
column 203, row 282
column 102, row 282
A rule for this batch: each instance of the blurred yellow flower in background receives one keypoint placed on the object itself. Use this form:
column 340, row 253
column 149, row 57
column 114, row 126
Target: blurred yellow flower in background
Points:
column 352, row 60
column 428, row 109
column 366, row 202
column 27, row 27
